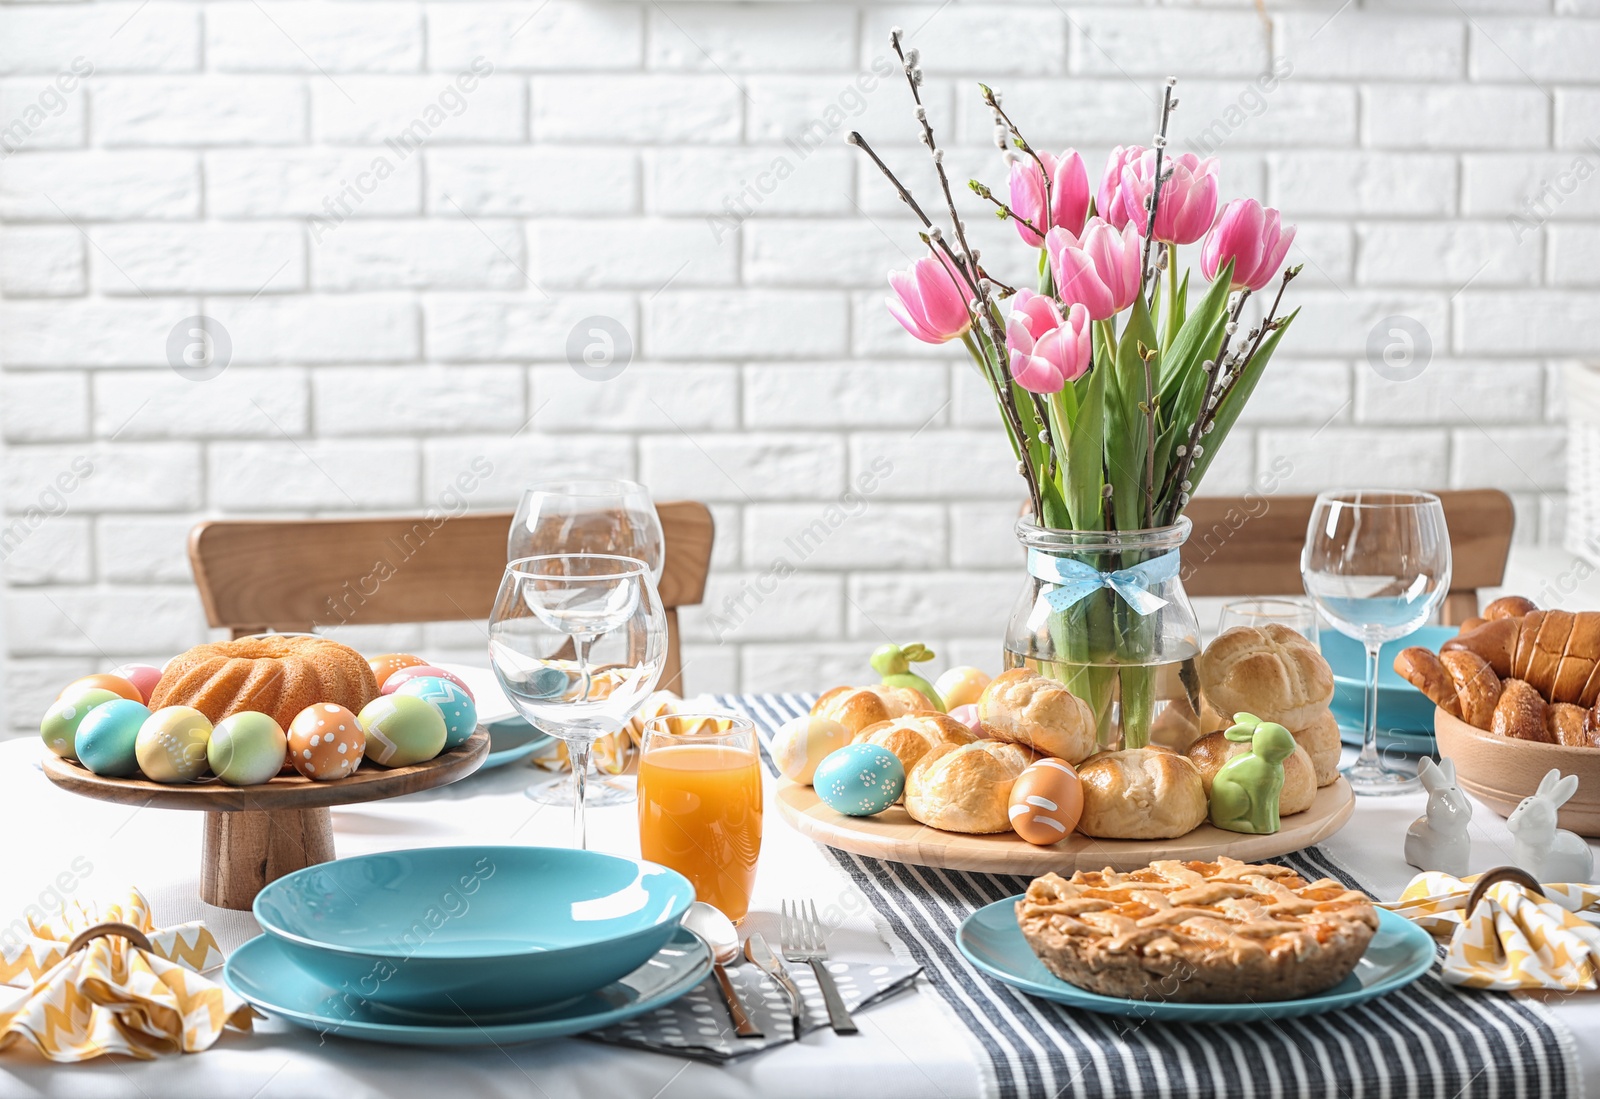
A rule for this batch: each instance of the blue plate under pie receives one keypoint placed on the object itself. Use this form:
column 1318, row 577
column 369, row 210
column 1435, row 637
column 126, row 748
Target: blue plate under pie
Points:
column 1398, row 954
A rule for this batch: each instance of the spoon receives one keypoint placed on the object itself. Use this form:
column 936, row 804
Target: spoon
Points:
column 718, row 933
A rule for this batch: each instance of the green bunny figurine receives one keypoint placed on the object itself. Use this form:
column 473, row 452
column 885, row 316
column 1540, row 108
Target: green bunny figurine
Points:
column 1244, row 795
column 893, row 662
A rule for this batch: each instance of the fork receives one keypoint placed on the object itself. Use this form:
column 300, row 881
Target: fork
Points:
column 803, row 941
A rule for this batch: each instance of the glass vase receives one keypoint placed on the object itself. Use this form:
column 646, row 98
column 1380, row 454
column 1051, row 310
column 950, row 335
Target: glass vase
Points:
column 1105, row 614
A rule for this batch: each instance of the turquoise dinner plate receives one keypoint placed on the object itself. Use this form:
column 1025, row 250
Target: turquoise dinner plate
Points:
column 991, row 940
column 1405, row 714
column 260, row 972
column 511, row 739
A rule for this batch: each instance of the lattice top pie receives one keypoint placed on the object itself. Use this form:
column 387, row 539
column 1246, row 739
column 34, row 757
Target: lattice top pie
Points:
column 1215, row 932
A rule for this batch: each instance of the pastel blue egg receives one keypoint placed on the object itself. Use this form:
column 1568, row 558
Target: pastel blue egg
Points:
column 460, row 712
column 859, row 780
column 107, row 735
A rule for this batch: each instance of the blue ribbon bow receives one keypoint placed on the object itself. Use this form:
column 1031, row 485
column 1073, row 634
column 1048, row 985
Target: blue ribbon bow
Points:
column 1075, row 581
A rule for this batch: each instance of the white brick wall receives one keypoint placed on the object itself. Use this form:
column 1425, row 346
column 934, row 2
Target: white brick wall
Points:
column 400, row 211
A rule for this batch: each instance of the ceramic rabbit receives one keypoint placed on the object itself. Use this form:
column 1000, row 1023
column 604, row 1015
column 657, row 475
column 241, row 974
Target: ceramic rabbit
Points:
column 1438, row 840
column 1244, row 795
column 1549, row 853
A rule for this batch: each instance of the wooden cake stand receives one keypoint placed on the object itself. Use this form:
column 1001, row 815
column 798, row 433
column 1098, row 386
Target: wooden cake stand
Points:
column 893, row 835
column 257, row 834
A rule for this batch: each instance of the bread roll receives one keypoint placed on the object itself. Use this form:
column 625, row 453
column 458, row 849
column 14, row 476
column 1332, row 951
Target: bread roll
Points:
column 912, row 736
column 1270, row 671
column 1211, row 751
column 857, row 707
column 1569, row 725
column 1320, row 739
column 966, row 787
column 1028, row 709
column 1477, row 687
column 1521, row 713
column 1141, row 794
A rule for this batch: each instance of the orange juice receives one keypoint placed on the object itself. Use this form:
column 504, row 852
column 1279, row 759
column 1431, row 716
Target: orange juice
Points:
column 700, row 814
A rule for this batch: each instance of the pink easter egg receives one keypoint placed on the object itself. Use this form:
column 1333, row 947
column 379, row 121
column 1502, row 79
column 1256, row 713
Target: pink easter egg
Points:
column 968, row 716
column 144, row 678
column 405, row 675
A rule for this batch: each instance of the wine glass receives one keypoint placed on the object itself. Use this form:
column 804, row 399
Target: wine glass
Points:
column 578, row 642
column 1297, row 614
column 1376, row 564
column 587, row 515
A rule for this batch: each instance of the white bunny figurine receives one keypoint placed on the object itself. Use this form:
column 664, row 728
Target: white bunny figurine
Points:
column 1438, row 840
column 1539, row 847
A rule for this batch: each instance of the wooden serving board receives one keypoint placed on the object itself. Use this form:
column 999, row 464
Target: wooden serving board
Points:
column 893, row 835
column 257, row 834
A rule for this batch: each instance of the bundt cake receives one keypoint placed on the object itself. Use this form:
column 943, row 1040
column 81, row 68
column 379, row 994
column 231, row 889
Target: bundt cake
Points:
column 276, row 675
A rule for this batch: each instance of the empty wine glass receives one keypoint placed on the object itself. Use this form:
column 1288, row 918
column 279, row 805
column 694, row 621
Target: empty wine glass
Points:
column 1297, row 614
column 578, row 642
column 1376, row 564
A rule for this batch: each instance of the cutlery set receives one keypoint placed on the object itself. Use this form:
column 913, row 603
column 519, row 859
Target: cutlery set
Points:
column 802, row 940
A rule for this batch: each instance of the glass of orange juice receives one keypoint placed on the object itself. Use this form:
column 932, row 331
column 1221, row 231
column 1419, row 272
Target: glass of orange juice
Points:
column 700, row 804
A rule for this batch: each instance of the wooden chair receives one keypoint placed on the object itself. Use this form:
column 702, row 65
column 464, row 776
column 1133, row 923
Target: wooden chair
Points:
column 1250, row 545
column 294, row 575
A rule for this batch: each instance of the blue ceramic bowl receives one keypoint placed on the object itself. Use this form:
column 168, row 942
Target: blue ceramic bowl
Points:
column 485, row 929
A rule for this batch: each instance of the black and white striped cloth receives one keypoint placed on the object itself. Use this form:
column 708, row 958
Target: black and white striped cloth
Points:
column 1424, row 1040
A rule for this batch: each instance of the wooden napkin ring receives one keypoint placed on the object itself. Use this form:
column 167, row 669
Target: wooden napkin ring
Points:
column 102, row 930
column 1500, row 874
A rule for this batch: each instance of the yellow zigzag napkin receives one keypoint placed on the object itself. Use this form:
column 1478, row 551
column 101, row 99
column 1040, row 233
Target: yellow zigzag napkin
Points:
column 1514, row 940
column 111, row 996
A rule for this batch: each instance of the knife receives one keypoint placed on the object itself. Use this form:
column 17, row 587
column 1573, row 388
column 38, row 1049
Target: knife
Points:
column 757, row 950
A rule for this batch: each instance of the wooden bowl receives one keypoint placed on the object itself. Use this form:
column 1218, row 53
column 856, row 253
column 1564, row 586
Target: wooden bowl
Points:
column 1500, row 771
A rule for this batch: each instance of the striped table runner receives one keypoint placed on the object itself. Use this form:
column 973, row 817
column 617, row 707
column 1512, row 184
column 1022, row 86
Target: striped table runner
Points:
column 1425, row 1040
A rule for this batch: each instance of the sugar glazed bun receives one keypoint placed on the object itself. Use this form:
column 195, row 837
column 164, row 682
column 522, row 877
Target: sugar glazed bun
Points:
column 1211, row 751
column 966, row 787
column 857, row 707
column 911, row 737
column 1141, row 794
column 1320, row 739
column 1026, row 708
column 1270, row 671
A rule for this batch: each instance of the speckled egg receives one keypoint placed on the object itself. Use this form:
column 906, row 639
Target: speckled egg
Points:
column 102, row 682
column 108, row 736
column 402, row 729
column 325, row 742
column 144, row 678
column 1046, row 802
column 859, row 780
column 386, row 665
column 59, row 728
column 421, row 671
column 171, row 746
column 247, row 749
column 804, row 743
column 455, row 705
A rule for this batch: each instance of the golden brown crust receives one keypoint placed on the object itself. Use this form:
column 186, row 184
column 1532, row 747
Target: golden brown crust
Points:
column 1495, row 641
column 858, row 707
column 1477, row 687
column 1211, row 751
column 1426, row 672
column 1141, row 794
column 1270, row 671
column 1320, row 739
column 1510, row 606
column 966, row 787
column 912, row 736
column 1520, row 713
column 1222, row 932
column 1029, row 709
column 279, row 675
column 1568, row 725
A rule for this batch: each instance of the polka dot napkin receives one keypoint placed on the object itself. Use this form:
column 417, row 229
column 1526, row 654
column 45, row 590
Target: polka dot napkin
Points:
column 697, row 1025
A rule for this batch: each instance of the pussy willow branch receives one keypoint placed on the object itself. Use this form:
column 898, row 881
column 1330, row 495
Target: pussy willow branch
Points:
column 1167, row 105
column 1267, row 324
column 984, row 193
column 993, row 101
column 1180, row 472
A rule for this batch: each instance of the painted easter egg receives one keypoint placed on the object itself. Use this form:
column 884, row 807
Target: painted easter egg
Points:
column 247, row 749
column 108, row 736
column 402, row 729
column 961, row 685
column 325, row 742
column 59, row 727
column 144, row 678
column 171, row 746
column 967, row 714
column 386, row 665
column 859, row 780
column 102, row 682
column 421, row 671
column 1046, row 802
column 455, row 705
column 805, row 742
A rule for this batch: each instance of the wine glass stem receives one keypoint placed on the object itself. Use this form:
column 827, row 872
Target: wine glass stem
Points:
column 1369, row 733
column 578, row 754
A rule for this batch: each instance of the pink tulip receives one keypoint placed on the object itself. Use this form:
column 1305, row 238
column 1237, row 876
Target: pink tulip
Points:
column 1188, row 201
column 1249, row 235
column 1047, row 349
column 1098, row 269
column 1069, row 194
column 930, row 300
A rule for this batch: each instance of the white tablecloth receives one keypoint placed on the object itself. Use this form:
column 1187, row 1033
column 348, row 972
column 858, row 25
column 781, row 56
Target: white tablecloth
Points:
column 57, row 843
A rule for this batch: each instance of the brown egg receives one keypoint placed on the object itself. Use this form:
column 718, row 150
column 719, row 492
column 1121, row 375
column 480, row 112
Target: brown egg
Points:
column 1046, row 802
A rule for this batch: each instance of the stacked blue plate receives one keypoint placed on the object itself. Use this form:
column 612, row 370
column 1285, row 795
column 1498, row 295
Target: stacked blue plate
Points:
column 1405, row 715
column 462, row 945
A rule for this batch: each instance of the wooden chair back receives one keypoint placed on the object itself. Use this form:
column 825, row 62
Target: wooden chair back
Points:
column 1250, row 545
column 293, row 575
